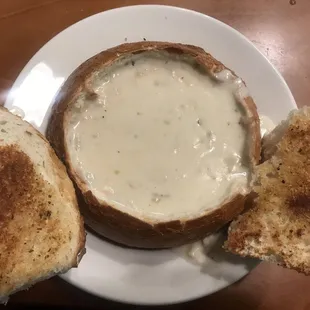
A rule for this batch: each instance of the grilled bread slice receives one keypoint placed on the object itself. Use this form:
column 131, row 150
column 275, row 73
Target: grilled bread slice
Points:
column 136, row 126
column 41, row 230
column 277, row 227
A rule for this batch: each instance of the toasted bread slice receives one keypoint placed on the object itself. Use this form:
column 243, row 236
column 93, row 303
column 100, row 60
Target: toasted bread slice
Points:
column 171, row 84
column 41, row 230
column 277, row 228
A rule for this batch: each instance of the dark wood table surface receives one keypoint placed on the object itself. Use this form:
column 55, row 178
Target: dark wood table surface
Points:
column 279, row 28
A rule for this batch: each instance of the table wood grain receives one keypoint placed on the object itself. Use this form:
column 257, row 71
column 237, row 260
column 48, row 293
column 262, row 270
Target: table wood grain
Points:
column 279, row 28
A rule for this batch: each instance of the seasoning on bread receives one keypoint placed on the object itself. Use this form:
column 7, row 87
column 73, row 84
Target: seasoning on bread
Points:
column 277, row 228
column 41, row 230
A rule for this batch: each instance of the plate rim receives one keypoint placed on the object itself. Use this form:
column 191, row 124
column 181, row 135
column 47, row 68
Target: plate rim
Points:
column 156, row 6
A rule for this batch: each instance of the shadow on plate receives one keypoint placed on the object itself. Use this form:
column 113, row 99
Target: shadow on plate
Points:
column 218, row 256
column 127, row 255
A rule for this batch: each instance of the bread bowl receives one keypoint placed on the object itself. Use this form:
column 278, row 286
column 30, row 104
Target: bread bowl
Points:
column 132, row 126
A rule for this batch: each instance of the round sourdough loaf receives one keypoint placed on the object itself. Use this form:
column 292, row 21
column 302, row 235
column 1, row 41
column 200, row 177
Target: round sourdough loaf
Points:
column 160, row 140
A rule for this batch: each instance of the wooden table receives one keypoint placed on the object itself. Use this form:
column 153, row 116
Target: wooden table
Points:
column 279, row 28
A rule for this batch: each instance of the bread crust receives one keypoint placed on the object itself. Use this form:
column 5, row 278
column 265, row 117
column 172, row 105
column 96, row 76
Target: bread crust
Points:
column 117, row 225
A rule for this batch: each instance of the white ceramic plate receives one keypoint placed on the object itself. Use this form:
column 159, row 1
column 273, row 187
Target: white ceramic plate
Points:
column 136, row 276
